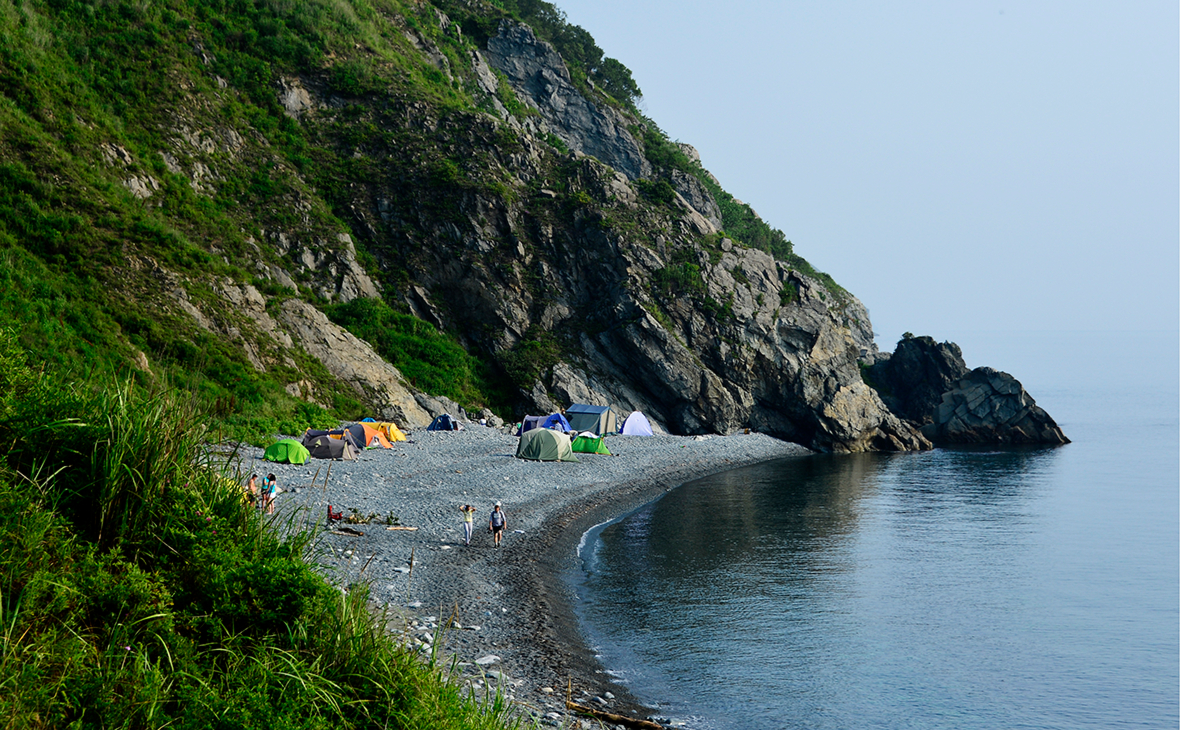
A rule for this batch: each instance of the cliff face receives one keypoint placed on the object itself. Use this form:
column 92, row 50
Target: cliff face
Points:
column 655, row 309
column 470, row 180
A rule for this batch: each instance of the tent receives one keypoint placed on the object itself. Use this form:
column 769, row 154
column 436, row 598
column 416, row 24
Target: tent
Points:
column 368, row 420
column 286, row 451
column 599, row 419
column 591, row 444
column 557, row 421
column 326, row 447
column 367, row 436
column 444, row 423
column 543, row 444
column 529, row 423
column 390, row 429
column 636, row 425
column 312, row 434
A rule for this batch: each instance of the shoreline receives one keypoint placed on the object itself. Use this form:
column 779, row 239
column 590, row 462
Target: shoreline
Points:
column 513, row 609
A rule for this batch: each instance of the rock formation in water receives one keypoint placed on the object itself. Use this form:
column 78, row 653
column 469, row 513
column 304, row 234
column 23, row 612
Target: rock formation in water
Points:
column 928, row 384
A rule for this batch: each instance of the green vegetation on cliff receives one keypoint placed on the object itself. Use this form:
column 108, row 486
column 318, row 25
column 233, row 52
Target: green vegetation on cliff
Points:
column 159, row 159
column 138, row 590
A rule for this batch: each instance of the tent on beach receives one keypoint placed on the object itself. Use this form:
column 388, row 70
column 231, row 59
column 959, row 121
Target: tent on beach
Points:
column 599, row 419
column 445, row 422
column 286, row 451
column 367, row 436
column 389, row 428
column 543, row 444
column 312, row 434
column 529, row 423
column 588, row 443
column 557, row 422
column 326, row 447
column 636, row 425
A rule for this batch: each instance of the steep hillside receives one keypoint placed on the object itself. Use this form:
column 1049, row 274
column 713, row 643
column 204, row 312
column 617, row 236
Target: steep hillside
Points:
column 211, row 193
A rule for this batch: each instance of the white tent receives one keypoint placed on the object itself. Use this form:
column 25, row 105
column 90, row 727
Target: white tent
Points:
column 636, row 425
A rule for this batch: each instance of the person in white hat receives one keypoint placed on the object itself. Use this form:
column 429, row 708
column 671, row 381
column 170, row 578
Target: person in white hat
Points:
column 496, row 523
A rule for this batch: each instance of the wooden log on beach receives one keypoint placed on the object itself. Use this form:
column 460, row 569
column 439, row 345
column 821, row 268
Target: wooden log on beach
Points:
column 399, row 527
column 612, row 717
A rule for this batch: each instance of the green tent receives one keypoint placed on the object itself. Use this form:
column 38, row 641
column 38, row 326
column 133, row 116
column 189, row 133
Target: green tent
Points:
column 286, row 451
column 543, row 444
column 587, row 445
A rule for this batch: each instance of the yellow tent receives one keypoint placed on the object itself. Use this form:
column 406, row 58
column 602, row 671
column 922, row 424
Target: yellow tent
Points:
column 391, row 431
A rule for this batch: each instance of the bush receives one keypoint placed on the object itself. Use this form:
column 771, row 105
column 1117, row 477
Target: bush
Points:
column 138, row 590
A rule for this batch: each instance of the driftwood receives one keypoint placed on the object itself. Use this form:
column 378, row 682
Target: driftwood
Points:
column 399, row 527
column 612, row 717
column 348, row 531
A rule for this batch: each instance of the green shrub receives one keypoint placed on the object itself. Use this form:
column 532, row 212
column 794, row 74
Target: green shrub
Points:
column 138, row 590
column 431, row 360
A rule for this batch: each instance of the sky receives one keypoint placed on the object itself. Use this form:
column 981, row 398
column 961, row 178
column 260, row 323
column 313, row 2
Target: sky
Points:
column 961, row 167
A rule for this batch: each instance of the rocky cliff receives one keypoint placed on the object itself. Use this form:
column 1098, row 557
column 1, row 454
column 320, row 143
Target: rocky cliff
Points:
column 928, row 384
column 439, row 158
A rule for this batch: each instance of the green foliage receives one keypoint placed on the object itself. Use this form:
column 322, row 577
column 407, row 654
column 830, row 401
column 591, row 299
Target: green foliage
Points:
column 681, row 276
column 536, row 353
column 789, row 294
column 556, row 143
column 659, row 191
column 431, row 360
column 354, row 77
column 509, row 99
column 137, row 589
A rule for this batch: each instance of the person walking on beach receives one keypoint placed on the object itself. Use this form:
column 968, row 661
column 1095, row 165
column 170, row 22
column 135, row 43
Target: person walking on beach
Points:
column 496, row 523
column 468, row 522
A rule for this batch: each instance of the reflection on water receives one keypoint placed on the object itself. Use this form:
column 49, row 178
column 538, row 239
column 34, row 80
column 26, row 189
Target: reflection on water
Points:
column 837, row 591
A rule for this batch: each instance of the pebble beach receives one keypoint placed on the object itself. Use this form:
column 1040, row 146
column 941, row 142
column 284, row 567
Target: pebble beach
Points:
column 498, row 617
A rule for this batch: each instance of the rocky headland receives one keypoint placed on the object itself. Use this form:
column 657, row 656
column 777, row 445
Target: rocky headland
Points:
column 929, row 384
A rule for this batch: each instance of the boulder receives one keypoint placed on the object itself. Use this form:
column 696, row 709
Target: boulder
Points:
column 376, row 382
column 991, row 407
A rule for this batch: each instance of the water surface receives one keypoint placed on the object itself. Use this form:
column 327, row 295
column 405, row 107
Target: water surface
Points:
column 987, row 588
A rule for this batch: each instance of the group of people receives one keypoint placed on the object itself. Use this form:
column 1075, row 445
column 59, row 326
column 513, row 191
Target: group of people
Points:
column 262, row 494
column 496, row 523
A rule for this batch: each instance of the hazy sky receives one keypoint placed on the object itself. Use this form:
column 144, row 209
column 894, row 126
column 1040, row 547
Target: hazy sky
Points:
column 959, row 166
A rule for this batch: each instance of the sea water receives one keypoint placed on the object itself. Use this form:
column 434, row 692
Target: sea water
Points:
column 959, row 588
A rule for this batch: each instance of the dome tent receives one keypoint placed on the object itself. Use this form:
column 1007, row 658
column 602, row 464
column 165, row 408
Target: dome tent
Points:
column 544, row 444
column 445, row 422
column 588, row 443
column 286, row 451
column 636, row 425
column 326, row 447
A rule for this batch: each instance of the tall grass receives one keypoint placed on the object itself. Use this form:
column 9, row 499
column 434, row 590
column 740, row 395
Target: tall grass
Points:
column 138, row 590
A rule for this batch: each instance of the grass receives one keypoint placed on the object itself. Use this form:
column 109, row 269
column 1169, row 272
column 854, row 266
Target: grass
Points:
column 138, row 590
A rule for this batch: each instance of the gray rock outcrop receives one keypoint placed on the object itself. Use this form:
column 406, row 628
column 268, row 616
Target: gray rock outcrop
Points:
column 352, row 360
column 991, row 407
column 912, row 381
column 540, row 79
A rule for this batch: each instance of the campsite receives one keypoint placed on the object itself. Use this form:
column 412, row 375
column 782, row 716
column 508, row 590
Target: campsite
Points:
column 400, row 530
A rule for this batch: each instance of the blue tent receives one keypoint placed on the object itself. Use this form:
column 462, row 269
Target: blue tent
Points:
column 557, row 422
column 368, row 420
column 444, row 423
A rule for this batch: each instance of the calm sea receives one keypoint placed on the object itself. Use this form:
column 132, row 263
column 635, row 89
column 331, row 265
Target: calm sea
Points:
column 985, row 588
